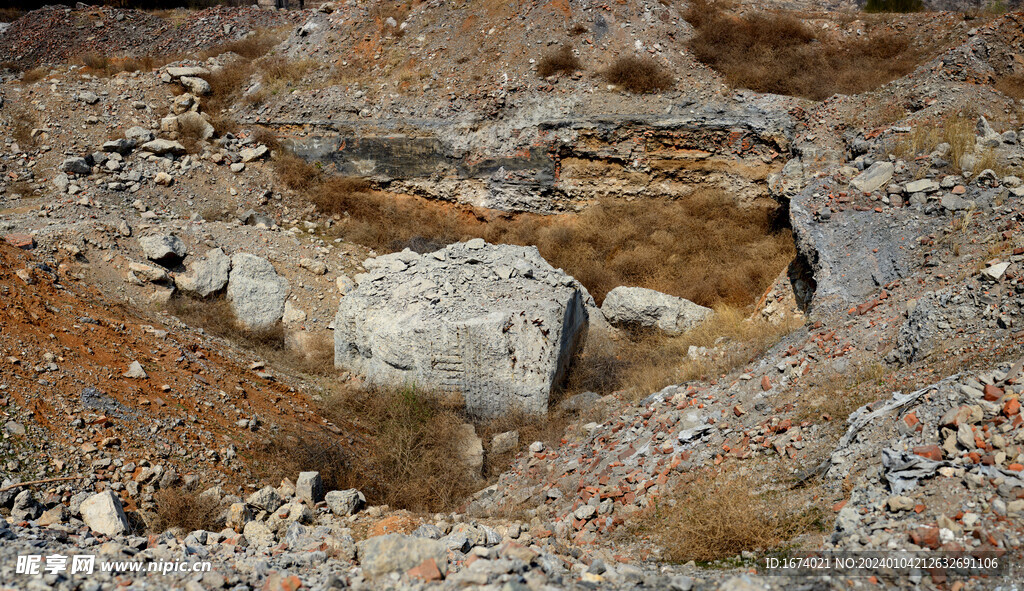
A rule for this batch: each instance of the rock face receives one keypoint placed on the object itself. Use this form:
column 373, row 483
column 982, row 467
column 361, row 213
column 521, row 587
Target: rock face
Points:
column 397, row 553
column 495, row 323
column 646, row 308
column 103, row 514
column 206, row 276
column 256, row 292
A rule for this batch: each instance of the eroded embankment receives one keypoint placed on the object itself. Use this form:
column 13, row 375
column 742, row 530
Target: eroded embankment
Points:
column 677, row 206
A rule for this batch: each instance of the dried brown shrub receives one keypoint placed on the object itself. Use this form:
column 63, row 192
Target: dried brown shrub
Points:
column 560, row 61
column 23, row 121
column 639, row 74
column 187, row 508
column 412, row 458
column 717, row 516
column 34, row 75
column 778, row 53
column 190, row 134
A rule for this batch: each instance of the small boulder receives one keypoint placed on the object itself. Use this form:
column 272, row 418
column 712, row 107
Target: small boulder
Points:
column 206, row 276
column 161, row 147
column 310, row 487
column 390, row 553
column 256, row 292
column 875, row 177
column 345, row 502
column 166, row 249
column 250, row 154
column 76, row 166
column 645, row 308
column 103, row 514
column 196, row 86
column 139, row 135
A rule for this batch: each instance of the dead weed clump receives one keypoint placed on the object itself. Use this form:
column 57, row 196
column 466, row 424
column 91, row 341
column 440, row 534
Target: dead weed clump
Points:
column 413, row 460
column 34, row 75
column 561, row 61
column 778, row 53
column 186, row 507
column 639, row 75
column 23, row 121
column 639, row 363
column 1012, row 86
column 718, row 516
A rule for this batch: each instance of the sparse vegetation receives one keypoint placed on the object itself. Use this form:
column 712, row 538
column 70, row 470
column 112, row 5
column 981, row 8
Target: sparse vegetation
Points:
column 561, row 61
column 894, row 6
column 190, row 134
column 215, row 316
column 717, row 516
column 702, row 247
column 639, row 75
column 778, row 53
column 23, row 121
column 639, row 364
column 185, row 507
column 104, row 65
column 34, row 75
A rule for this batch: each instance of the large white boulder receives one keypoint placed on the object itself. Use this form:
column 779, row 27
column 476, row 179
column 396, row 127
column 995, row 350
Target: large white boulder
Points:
column 494, row 323
column 205, row 276
column 256, row 292
column 638, row 307
column 103, row 514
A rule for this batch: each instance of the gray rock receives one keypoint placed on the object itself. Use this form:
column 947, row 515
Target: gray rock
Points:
column 161, row 147
column 645, row 308
column 256, row 292
column 922, row 186
column 103, row 514
column 345, row 502
column 954, row 202
column 179, row 71
column 398, row 553
column 61, row 182
column 875, row 177
column 504, row 442
column 76, row 166
column 250, row 154
column 166, row 249
column 496, row 323
column 26, row 508
column 197, row 122
column 135, row 371
column 266, row 498
column 121, row 146
column 195, row 85
column 206, row 276
column 89, row 98
column 310, row 487
column 258, row 535
column 140, row 135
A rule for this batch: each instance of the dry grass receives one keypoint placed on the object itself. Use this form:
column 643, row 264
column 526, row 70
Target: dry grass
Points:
column 104, row 65
column 190, row 134
column 186, row 508
column 894, row 6
column 560, row 61
column 251, row 47
column 777, row 53
column 717, row 516
column 228, row 83
column 216, row 317
column 957, row 130
column 9, row 15
column 639, row 75
column 640, row 364
column 34, row 75
column 412, row 461
column 702, row 247
column 23, row 120
column 299, row 449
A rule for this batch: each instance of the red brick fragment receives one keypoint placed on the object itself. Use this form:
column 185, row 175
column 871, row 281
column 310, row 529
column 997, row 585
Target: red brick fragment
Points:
column 426, row 571
column 932, row 452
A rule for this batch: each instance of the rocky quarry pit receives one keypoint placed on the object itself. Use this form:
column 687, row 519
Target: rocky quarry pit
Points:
column 448, row 295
